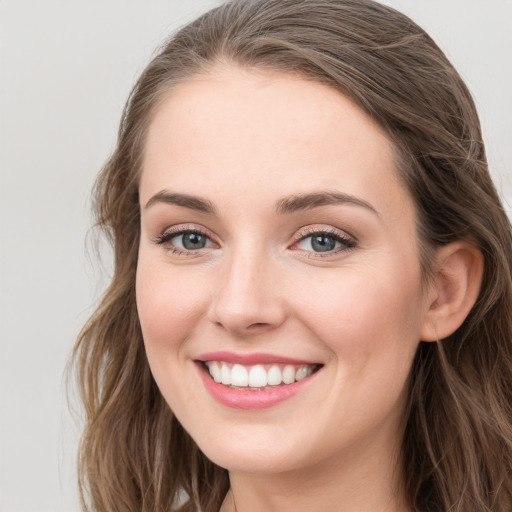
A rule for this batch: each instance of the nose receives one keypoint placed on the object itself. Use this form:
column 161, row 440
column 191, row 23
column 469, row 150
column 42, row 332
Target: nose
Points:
column 247, row 299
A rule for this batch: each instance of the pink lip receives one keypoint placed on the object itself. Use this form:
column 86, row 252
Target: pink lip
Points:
column 249, row 399
column 250, row 359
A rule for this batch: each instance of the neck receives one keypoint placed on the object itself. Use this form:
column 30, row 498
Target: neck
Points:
column 373, row 483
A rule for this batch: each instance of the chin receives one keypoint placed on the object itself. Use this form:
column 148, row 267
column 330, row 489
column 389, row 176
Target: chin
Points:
column 251, row 461
column 254, row 452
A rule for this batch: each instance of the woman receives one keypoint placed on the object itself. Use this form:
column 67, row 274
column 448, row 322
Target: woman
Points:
column 311, row 303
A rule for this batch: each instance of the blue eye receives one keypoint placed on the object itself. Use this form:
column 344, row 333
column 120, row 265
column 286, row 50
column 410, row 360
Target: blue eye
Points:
column 321, row 242
column 185, row 240
column 190, row 241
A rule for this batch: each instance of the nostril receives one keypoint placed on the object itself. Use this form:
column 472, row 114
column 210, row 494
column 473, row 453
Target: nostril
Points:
column 257, row 326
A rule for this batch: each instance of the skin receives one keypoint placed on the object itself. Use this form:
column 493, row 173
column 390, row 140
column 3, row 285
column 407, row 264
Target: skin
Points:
column 243, row 140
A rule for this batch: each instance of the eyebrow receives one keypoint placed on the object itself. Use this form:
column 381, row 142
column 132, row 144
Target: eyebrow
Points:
column 298, row 202
column 288, row 204
column 185, row 200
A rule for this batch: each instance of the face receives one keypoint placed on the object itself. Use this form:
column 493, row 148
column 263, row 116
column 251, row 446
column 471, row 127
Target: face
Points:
column 278, row 283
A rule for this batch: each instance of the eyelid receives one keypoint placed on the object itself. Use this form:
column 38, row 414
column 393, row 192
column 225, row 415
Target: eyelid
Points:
column 170, row 232
column 315, row 229
column 347, row 241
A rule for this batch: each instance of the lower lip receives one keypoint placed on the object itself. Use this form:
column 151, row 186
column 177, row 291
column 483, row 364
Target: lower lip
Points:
column 250, row 399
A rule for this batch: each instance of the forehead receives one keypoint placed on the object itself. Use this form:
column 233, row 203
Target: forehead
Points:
column 234, row 129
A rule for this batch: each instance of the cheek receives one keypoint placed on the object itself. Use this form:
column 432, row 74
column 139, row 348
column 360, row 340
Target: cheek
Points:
column 169, row 305
column 370, row 323
column 367, row 313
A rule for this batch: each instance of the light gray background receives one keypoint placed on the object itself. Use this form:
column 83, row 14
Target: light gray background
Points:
column 66, row 67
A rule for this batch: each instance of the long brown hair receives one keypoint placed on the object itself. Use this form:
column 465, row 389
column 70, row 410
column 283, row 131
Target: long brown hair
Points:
column 457, row 447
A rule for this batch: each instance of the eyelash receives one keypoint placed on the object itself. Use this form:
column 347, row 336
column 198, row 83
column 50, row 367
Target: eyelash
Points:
column 347, row 243
column 176, row 231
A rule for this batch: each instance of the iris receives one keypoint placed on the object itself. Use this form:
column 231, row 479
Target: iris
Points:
column 193, row 241
column 323, row 243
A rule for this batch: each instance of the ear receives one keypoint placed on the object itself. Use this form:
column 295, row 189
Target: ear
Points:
column 457, row 279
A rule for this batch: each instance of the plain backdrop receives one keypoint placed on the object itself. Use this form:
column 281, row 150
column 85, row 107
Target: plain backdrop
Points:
column 66, row 67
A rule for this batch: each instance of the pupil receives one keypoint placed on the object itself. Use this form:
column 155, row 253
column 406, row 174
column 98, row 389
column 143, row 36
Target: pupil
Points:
column 321, row 243
column 193, row 241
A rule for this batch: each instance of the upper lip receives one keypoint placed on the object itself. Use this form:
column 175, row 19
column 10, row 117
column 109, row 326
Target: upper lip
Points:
column 251, row 359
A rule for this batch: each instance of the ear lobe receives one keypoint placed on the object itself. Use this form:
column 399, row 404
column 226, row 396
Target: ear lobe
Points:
column 454, row 290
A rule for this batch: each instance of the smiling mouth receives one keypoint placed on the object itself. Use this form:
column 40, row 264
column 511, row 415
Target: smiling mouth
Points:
column 259, row 376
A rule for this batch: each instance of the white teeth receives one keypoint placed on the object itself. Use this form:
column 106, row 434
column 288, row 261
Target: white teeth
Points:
column 215, row 371
column 274, row 376
column 257, row 376
column 239, row 376
column 302, row 373
column 225, row 373
column 289, row 374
